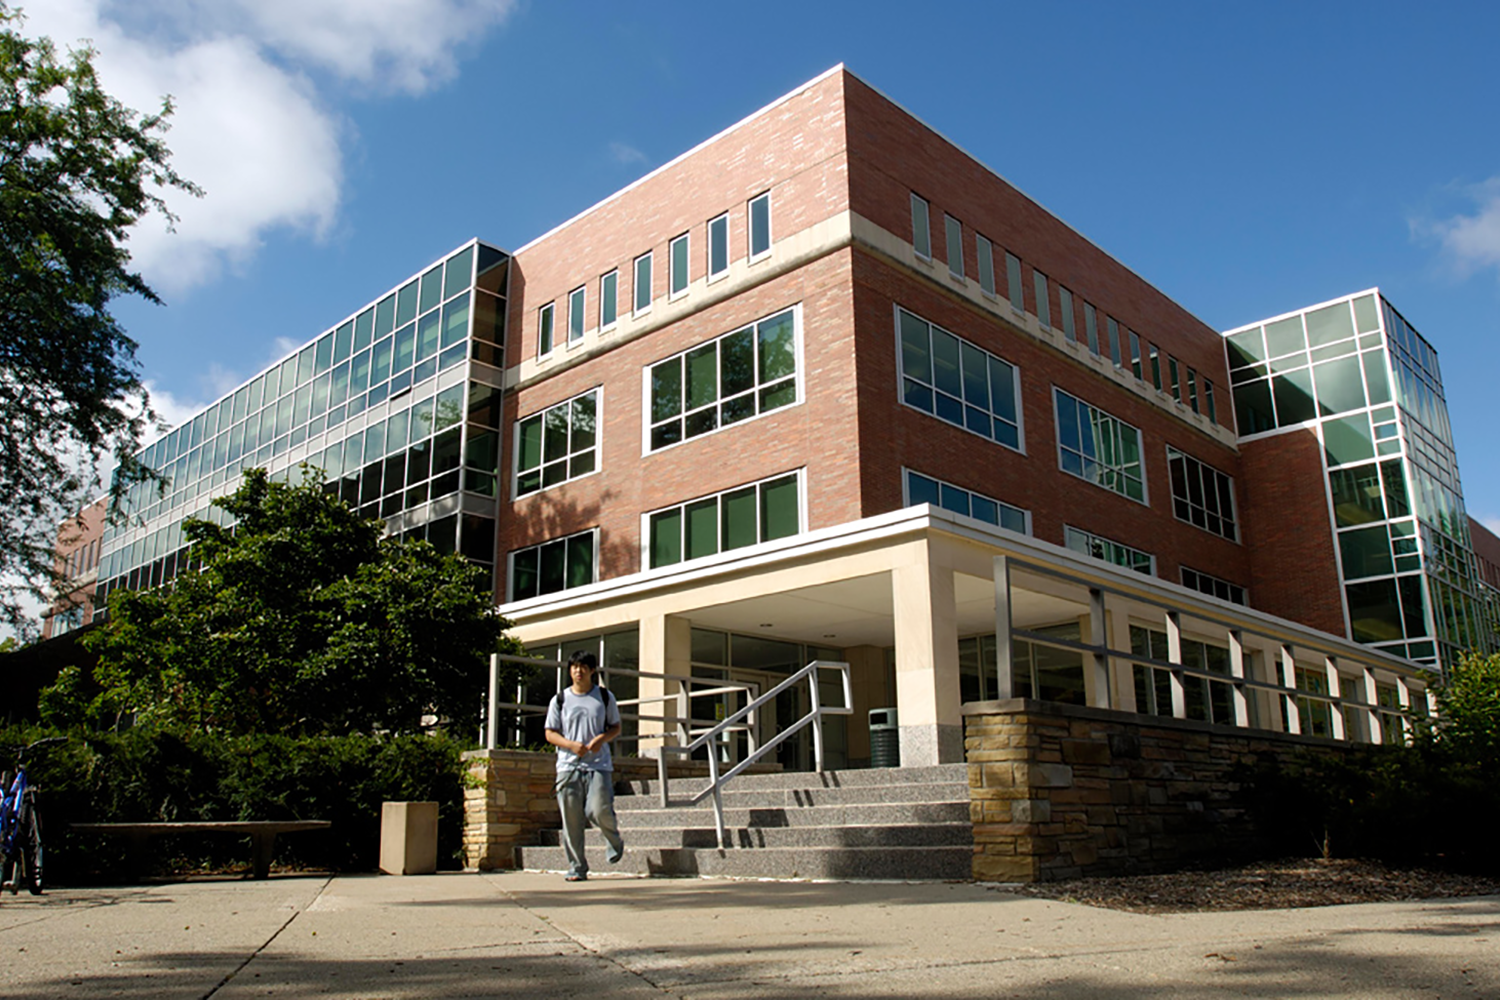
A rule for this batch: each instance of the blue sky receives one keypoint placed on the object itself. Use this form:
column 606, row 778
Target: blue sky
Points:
column 1246, row 159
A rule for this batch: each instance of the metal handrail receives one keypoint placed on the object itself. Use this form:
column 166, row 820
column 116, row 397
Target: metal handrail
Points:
column 681, row 722
column 711, row 736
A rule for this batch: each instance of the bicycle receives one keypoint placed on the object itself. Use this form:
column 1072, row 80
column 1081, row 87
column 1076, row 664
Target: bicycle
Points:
column 21, row 825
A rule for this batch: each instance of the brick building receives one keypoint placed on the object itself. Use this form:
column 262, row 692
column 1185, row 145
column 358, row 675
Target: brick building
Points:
column 826, row 387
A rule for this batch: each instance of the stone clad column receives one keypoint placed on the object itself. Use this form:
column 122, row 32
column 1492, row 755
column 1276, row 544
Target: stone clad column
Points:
column 927, row 687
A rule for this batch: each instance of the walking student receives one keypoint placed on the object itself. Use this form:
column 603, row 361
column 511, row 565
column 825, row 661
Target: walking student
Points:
column 581, row 721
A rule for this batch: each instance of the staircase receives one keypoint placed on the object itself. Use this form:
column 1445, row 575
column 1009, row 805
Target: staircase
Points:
column 881, row 823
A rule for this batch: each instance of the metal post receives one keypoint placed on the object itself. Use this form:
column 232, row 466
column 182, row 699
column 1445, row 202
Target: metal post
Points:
column 817, row 722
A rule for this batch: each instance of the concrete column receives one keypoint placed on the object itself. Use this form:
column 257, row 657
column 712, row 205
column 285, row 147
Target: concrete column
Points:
column 1336, row 689
column 1372, row 698
column 1237, row 670
column 927, row 687
column 1403, row 697
column 1005, row 671
column 1096, row 669
column 1174, row 657
column 1289, row 681
column 1122, row 671
column 666, row 647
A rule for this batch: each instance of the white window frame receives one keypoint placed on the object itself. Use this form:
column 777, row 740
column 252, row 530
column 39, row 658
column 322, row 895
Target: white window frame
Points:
column 953, row 235
column 1229, row 585
column 984, row 251
column 546, row 329
column 802, row 522
column 605, row 297
column 673, row 275
column 510, row 565
column 723, row 222
column 764, row 196
column 577, row 317
column 1096, row 537
column 515, row 444
column 1234, row 506
column 907, row 472
column 921, row 236
column 637, row 309
column 1020, row 421
column 1145, row 497
column 648, row 425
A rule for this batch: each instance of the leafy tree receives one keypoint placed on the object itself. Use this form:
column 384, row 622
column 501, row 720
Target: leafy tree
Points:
column 301, row 619
column 77, row 170
column 1469, row 707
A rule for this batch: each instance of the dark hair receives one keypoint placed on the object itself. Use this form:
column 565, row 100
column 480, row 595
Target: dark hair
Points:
column 584, row 657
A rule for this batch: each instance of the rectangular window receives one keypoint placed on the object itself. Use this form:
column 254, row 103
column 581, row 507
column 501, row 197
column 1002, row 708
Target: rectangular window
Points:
column 1118, row 553
column 746, row 515
column 1202, row 495
column 677, row 266
column 609, row 299
column 955, row 233
column 544, row 332
column 1135, row 355
column 760, row 226
column 1043, row 300
column 921, row 228
column 1208, row 400
column 740, row 375
column 1013, row 282
column 922, row 489
column 1155, row 368
column 956, row 381
column 1192, row 579
column 1114, row 339
column 718, row 247
column 576, row 302
column 643, row 282
column 1192, row 388
column 1099, row 448
column 1069, row 323
column 561, row 564
column 1091, row 327
column 985, row 256
column 558, row 444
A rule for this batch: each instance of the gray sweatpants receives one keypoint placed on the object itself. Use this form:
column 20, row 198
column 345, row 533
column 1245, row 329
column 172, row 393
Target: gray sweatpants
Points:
column 587, row 796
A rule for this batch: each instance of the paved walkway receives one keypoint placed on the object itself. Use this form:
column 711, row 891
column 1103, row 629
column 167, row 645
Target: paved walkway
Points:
column 522, row 934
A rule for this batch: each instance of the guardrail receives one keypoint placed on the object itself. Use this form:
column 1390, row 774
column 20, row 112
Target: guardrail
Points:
column 710, row 736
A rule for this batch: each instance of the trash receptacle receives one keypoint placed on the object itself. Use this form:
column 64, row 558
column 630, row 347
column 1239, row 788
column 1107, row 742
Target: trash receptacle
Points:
column 885, row 738
column 408, row 838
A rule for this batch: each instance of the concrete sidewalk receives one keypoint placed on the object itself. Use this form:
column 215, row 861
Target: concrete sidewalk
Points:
column 525, row 934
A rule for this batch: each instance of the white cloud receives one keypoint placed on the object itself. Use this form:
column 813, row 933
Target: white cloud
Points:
column 253, row 125
column 1470, row 240
column 623, row 153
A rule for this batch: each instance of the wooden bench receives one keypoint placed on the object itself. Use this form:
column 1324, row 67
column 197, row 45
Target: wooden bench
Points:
column 262, row 834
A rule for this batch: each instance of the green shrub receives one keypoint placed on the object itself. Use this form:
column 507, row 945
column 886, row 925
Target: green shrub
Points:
column 150, row 775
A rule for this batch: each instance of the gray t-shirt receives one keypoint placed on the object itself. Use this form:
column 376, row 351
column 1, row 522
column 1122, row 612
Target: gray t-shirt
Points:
column 582, row 717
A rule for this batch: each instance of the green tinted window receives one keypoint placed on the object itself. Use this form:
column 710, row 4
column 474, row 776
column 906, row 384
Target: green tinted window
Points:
column 406, row 303
column 916, row 355
column 1356, row 495
column 779, row 516
column 1252, row 407
column 1329, row 324
column 778, row 349
column 666, row 538
column 428, row 330
column 396, row 428
column 342, row 339
column 1340, row 387
column 1380, row 387
column 385, row 316
column 530, row 451
column 450, row 406
column 455, row 321
column 1365, row 552
column 1395, row 488
column 1348, row 440
column 702, row 375
column 701, row 521
column 1284, row 336
column 738, row 515
column 380, row 358
column 459, row 273
column 1366, row 317
column 609, row 294
column 432, row 288
column 1246, row 348
column 1294, row 398
column 1374, row 612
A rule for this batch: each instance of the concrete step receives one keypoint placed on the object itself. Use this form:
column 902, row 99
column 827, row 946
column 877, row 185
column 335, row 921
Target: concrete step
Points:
column 904, row 863
column 737, row 796
column 936, row 774
column 856, row 814
column 664, row 837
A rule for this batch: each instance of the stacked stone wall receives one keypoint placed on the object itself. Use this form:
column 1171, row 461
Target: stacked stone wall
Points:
column 1061, row 792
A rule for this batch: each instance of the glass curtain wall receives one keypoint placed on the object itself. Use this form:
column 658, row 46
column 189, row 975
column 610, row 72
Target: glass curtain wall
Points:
column 398, row 408
column 1356, row 371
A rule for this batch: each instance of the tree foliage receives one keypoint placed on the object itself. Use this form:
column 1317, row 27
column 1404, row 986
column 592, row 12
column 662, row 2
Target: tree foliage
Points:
column 77, row 170
column 1469, row 707
column 300, row 620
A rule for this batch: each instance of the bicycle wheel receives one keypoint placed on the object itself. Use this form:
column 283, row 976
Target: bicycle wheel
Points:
column 30, row 849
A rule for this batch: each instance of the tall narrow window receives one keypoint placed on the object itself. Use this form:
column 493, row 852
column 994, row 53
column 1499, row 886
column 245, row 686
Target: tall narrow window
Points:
column 955, row 233
column 544, row 331
column 1208, row 400
column 1069, row 324
column 921, row 227
column 1135, row 355
column 609, row 299
column 1175, row 383
column 576, row 302
column 1114, row 339
column 677, row 266
column 1155, row 368
column 985, row 256
column 643, row 282
column 760, row 226
column 1192, row 388
column 1013, row 282
column 1043, row 300
column 1091, row 327
column 718, row 247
